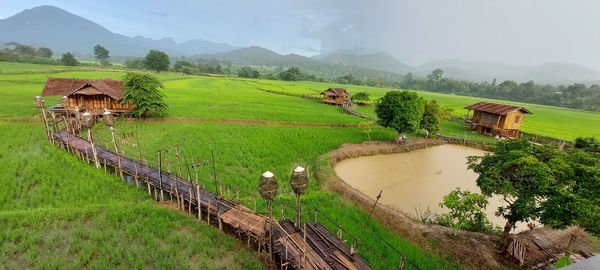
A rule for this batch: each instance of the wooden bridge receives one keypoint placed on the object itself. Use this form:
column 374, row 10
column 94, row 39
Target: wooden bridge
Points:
column 309, row 247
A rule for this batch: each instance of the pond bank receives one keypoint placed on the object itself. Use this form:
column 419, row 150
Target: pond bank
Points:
column 474, row 250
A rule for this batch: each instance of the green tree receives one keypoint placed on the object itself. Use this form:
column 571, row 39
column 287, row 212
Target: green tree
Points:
column 248, row 72
column 291, row 74
column 144, row 92
column 466, row 211
column 69, row 60
column 400, row 110
column 44, row 52
column 102, row 54
column 430, row 121
column 157, row 61
column 436, row 76
column 542, row 183
column 361, row 97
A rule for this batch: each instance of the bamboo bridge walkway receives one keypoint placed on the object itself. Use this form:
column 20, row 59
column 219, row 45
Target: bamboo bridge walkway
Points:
column 310, row 247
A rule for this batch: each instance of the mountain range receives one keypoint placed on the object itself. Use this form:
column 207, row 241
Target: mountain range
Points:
column 62, row 31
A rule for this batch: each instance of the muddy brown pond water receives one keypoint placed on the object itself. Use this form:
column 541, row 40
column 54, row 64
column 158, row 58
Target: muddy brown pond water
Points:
column 417, row 180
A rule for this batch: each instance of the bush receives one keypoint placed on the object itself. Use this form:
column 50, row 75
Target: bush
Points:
column 466, row 212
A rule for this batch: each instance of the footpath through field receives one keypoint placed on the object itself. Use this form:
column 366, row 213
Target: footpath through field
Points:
column 312, row 247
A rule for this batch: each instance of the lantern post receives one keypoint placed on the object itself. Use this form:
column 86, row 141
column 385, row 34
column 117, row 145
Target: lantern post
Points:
column 299, row 181
column 268, row 190
column 87, row 122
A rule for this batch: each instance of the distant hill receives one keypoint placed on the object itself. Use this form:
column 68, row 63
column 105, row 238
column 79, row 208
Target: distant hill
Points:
column 551, row 73
column 260, row 56
column 62, row 31
column 379, row 61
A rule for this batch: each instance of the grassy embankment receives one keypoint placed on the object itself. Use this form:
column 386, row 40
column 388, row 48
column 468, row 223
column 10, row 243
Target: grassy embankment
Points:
column 243, row 151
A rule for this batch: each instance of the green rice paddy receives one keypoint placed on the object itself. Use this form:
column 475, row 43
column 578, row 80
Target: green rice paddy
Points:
column 57, row 212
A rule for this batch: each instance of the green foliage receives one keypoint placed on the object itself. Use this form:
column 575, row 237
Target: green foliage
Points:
column 144, row 92
column 400, row 110
column 466, row 212
column 431, row 117
column 44, row 52
column 587, row 143
column 102, row 54
column 157, row 61
column 200, row 67
column 361, row 97
column 348, row 79
column 542, row 183
column 291, row 74
column 247, row 72
column 69, row 60
column 435, row 77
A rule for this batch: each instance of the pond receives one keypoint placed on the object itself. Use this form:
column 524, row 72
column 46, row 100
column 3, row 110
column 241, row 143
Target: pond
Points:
column 417, row 180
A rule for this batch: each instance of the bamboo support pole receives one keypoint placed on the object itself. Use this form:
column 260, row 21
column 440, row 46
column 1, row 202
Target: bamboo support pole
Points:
column 96, row 162
column 160, row 174
column 114, row 140
column 190, row 200
column 199, row 205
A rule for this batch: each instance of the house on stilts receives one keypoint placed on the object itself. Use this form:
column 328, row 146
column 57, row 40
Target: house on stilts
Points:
column 500, row 120
column 85, row 95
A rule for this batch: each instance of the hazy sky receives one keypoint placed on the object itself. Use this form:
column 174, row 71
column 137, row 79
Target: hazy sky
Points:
column 513, row 31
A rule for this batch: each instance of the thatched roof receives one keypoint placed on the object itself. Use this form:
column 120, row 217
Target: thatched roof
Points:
column 69, row 86
column 336, row 92
column 495, row 108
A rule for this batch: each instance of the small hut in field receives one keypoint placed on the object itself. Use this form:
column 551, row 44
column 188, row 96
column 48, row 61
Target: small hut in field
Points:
column 337, row 96
column 496, row 119
column 93, row 96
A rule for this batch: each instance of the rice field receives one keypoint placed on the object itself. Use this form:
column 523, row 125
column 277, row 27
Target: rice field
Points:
column 53, row 204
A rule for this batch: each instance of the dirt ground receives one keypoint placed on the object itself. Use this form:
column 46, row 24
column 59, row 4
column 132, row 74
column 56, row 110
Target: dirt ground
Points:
column 472, row 249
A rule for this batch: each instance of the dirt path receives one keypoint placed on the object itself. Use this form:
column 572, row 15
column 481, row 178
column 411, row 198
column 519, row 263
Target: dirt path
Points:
column 472, row 249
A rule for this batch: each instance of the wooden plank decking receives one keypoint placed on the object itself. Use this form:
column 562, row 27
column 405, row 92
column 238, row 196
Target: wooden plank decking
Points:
column 323, row 250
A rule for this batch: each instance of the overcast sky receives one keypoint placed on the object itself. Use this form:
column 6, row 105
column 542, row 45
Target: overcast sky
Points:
column 513, row 31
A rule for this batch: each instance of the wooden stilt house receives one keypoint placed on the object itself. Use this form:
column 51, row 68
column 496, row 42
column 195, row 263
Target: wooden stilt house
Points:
column 93, row 96
column 337, row 96
column 496, row 119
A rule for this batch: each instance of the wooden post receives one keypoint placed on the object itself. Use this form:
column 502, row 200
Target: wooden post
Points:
column 168, row 164
column 178, row 156
column 46, row 127
column 298, row 211
column 219, row 215
column 104, row 163
column 208, row 212
column 215, row 171
column 139, row 147
column 87, row 157
column 160, row 174
column 198, row 199
column 190, row 199
column 137, row 182
column 270, row 203
column 114, row 140
column 196, row 170
column 89, row 132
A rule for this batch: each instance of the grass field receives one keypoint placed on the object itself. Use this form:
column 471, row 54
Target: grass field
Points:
column 53, row 201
